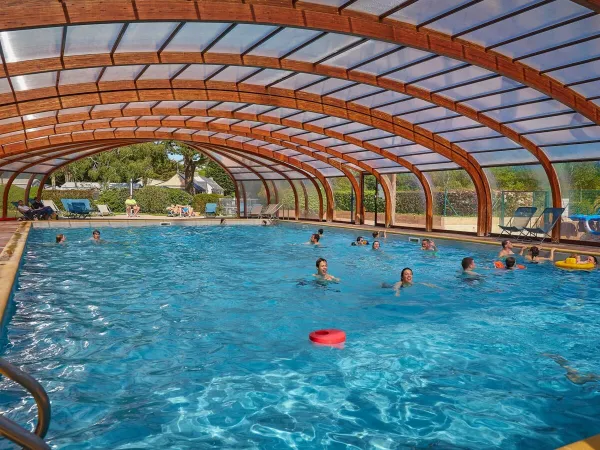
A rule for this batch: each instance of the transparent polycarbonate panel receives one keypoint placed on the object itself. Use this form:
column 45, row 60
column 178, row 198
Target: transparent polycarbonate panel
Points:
column 145, row 37
column 360, row 54
column 255, row 109
column 240, row 139
column 305, row 158
column 483, row 87
column 573, row 152
column 456, row 123
column 334, row 3
column 566, row 136
column 473, row 133
column 408, row 150
column 119, row 73
column 347, row 148
column 454, row 78
column 558, row 36
column 233, row 74
column 325, row 170
column 166, row 129
column 298, row 81
column 161, row 71
column 323, row 47
column 247, row 176
column 424, row 69
column 329, row 142
column 428, row 114
column 405, row 106
column 284, row 42
column 381, row 163
column 241, row 38
column 327, row 86
column 256, row 194
column 35, row 116
column 344, row 201
column 425, row 10
column 360, row 156
column 454, row 200
column 85, row 109
column 549, row 123
column 391, row 141
column 266, row 77
column 517, row 186
column 392, row 170
column 356, row 92
column 568, row 55
column 198, row 72
column 505, row 99
column 195, row 37
column 33, row 81
column 485, row 145
column 438, row 167
column 140, row 105
column 305, row 117
column 381, row 98
column 580, row 189
column 288, row 152
column 224, row 121
column 269, row 127
column 15, row 192
column 410, row 200
column 204, row 133
column 227, row 106
column 274, row 147
column 329, row 122
column 79, row 76
column 426, row 158
column 91, row 39
column 39, row 169
column 375, row 7
column 505, row 157
column 257, row 143
column 312, row 137
column 314, row 202
column 4, row 86
column 14, row 166
column 367, row 135
column 351, row 127
column 527, row 22
column 249, row 124
column 479, row 14
column 527, row 111
column 581, row 72
column 395, row 61
column 285, row 196
column 36, row 43
column 588, row 90
column 281, row 113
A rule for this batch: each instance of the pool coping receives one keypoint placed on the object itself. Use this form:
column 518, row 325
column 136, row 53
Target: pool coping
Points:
column 10, row 261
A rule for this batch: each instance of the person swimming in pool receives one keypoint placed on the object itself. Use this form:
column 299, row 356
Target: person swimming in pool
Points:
column 96, row 237
column 572, row 374
column 314, row 238
column 322, row 271
column 534, row 255
column 406, row 280
column 376, row 245
column 428, row 245
column 61, row 239
column 506, row 249
column 587, row 260
column 320, row 231
column 468, row 266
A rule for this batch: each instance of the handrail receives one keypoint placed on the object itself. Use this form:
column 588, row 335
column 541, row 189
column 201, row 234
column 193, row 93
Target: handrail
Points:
column 12, row 430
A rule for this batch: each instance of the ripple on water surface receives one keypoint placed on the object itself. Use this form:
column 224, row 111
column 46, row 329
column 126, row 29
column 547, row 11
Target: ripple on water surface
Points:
column 197, row 338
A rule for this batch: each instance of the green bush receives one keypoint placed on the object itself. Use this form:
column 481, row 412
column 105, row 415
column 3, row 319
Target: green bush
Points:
column 151, row 199
column 114, row 198
column 200, row 200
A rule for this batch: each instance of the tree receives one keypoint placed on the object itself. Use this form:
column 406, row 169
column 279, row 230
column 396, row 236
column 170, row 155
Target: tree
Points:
column 217, row 173
column 191, row 160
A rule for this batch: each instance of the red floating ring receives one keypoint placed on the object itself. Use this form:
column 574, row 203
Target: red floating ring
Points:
column 331, row 336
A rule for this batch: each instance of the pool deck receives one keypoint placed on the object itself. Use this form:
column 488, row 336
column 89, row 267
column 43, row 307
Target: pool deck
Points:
column 13, row 236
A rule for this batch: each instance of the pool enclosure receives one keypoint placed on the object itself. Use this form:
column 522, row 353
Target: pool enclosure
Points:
column 313, row 103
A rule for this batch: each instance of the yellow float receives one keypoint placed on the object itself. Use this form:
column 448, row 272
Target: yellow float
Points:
column 571, row 263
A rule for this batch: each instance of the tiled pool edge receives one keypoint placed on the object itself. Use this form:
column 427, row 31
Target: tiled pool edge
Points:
column 10, row 260
column 142, row 222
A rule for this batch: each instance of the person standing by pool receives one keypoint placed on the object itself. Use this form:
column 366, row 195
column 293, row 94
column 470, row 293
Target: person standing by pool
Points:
column 506, row 249
column 322, row 271
column 132, row 207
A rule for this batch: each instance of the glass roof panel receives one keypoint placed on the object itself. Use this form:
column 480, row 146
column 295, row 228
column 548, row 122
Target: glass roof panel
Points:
column 4, row 85
column 328, row 172
column 201, row 104
column 395, row 61
column 408, row 150
column 269, row 126
column 305, row 116
column 527, row 22
column 84, row 109
column 233, row 74
column 327, row 86
column 255, row 109
column 505, row 99
column 36, row 43
column 548, row 123
column 588, row 90
column 450, row 124
column 563, row 56
column 312, row 137
column 391, row 141
column 474, row 133
column 429, row 114
column 573, row 152
column 370, row 134
column 512, row 157
column 424, row 69
column 241, row 38
column 478, row 14
column 323, row 47
column 557, row 36
column 353, row 92
column 329, row 142
column 198, row 72
column 195, row 37
column 79, row 76
column 489, row 144
column 161, row 71
column 227, row 106
column 33, row 81
column 456, row 77
column 284, row 42
column 136, row 105
column 91, row 39
column 291, row 131
column 360, row 156
column 441, row 166
column 329, row 121
column 382, row 98
column 171, row 104
column 525, row 111
column 406, row 106
column 145, row 37
column 118, row 73
column 281, row 112
column 581, row 72
column 348, row 148
column 358, row 55
column 351, row 127
column 267, row 76
column 398, row 169
column 424, row 10
column 566, row 136
column 496, row 84
column 298, row 81
column 375, row 7
column 425, row 158
column 382, row 164
column 246, row 176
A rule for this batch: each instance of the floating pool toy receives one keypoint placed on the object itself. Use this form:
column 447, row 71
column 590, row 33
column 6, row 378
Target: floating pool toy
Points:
column 571, row 264
column 586, row 222
column 328, row 337
column 500, row 265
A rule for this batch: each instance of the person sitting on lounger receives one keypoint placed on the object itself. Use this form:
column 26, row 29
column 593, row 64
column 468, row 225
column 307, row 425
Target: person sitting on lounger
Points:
column 506, row 249
column 534, row 255
column 29, row 213
column 132, row 207
column 322, row 271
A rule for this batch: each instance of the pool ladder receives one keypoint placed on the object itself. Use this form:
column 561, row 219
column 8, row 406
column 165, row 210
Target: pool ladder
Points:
column 12, row 430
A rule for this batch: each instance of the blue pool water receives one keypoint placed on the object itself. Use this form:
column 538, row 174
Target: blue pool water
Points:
column 197, row 338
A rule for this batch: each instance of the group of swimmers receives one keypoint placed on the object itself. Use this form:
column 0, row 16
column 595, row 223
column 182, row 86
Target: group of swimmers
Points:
column 62, row 239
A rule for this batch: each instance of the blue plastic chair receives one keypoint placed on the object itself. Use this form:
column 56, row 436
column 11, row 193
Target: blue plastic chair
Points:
column 210, row 208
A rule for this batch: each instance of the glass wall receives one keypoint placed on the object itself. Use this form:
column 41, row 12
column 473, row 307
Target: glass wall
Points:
column 255, row 194
column 410, row 200
column 580, row 188
column 374, row 201
column 343, row 199
column 454, row 200
column 285, row 196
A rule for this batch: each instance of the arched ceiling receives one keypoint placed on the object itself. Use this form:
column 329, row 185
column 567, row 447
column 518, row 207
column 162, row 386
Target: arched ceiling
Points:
column 383, row 86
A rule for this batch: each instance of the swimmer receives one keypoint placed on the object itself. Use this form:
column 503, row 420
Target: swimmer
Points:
column 428, row 245
column 468, row 266
column 406, row 280
column 61, row 239
column 534, row 255
column 572, row 374
column 96, row 236
column 376, row 245
column 320, row 231
column 314, row 238
column 322, row 271
column 360, row 241
column 506, row 249
column 588, row 260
